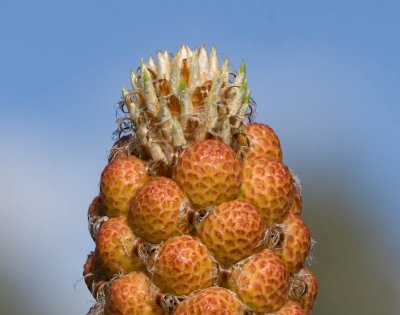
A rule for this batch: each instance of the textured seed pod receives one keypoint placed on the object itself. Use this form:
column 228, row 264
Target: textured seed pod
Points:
column 263, row 142
column 115, row 247
column 120, row 180
column 182, row 265
column 158, row 211
column 261, row 282
column 304, row 289
column 132, row 294
column 209, row 173
column 296, row 243
column 296, row 206
column 291, row 308
column 232, row 231
column 92, row 273
column 268, row 185
column 210, row 301
column 95, row 208
column 95, row 217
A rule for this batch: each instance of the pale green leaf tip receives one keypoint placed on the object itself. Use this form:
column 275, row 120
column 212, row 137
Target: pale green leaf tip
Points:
column 145, row 74
column 182, row 85
column 242, row 68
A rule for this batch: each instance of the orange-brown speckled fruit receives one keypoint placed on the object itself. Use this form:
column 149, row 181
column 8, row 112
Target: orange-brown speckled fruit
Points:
column 296, row 243
column 296, row 206
column 132, row 294
column 209, row 172
column 263, row 142
column 95, row 208
column 211, row 301
column 261, row 282
column 95, row 216
column 120, row 180
column 304, row 289
column 158, row 211
column 268, row 185
column 92, row 273
column 291, row 308
column 232, row 231
column 115, row 247
column 182, row 265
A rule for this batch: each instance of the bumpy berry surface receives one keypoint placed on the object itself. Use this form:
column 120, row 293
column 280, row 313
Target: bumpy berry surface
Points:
column 120, row 180
column 232, row 231
column 92, row 273
column 262, row 282
column 183, row 265
column 309, row 289
column 115, row 247
column 132, row 294
column 95, row 216
column 263, row 142
column 268, row 185
column 296, row 243
column 291, row 308
column 95, row 208
column 211, row 301
column 220, row 233
column 296, row 206
column 158, row 211
column 209, row 173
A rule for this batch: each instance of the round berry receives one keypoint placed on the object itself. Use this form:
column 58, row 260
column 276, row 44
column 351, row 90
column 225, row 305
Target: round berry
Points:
column 304, row 289
column 295, row 242
column 215, row 300
column 261, row 282
column 232, row 231
column 120, row 180
column 268, row 185
column 132, row 294
column 158, row 211
column 182, row 265
column 115, row 246
column 209, row 173
column 263, row 142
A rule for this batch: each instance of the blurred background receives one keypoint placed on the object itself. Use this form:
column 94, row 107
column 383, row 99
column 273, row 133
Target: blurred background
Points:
column 325, row 75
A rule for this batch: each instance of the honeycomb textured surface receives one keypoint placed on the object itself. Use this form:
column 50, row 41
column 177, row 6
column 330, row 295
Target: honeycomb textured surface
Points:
column 120, row 180
column 132, row 294
column 211, row 301
column 157, row 212
column 232, row 231
column 262, row 282
column 197, row 212
column 209, row 173
column 263, row 142
column 183, row 265
column 116, row 247
column 268, row 185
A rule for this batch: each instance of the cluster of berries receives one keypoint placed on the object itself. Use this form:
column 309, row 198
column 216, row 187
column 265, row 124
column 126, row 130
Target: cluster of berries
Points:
column 221, row 235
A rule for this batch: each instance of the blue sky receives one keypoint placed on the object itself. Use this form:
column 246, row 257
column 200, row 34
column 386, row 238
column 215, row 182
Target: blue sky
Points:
column 326, row 77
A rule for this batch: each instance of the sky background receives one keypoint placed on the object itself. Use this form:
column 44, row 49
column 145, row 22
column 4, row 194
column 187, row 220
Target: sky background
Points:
column 325, row 76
